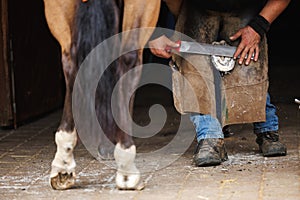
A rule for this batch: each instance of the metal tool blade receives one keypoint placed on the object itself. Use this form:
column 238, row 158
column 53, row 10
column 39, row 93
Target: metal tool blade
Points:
column 206, row 49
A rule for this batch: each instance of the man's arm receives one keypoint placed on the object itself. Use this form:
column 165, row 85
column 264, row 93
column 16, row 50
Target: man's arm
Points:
column 159, row 46
column 273, row 9
column 250, row 38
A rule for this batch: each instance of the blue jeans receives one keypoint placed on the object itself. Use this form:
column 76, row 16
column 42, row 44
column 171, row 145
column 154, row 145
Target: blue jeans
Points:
column 207, row 126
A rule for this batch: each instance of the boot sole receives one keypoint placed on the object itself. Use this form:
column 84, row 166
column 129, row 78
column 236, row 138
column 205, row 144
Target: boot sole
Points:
column 282, row 152
column 207, row 162
column 273, row 154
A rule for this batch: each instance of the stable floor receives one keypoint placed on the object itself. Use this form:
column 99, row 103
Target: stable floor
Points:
column 26, row 154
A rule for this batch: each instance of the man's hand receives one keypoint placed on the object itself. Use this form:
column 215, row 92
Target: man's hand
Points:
column 161, row 46
column 248, row 46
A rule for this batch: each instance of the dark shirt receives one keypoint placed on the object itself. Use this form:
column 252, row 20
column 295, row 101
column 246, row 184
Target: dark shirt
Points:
column 227, row 5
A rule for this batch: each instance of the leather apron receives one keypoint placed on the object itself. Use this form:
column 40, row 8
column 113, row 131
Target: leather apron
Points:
column 236, row 97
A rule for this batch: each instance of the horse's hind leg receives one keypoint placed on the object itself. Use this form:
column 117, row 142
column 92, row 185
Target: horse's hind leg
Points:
column 137, row 14
column 59, row 15
column 62, row 174
column 127, row 176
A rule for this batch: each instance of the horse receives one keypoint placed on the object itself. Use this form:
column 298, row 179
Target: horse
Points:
column 78, row 26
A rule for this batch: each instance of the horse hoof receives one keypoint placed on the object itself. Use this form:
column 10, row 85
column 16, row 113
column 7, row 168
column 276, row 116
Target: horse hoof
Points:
column 105, row 153
column 62, row 181
column 128, row 182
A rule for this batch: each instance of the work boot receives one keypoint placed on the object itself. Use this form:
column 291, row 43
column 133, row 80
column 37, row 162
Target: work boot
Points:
column 210, row 152
column 269, row 144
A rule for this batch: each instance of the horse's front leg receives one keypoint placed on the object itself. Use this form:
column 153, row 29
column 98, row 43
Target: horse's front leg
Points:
column 62, row 174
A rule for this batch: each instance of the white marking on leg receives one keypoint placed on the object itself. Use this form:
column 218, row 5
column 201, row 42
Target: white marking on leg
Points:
column 128, row 175
column 64, row 159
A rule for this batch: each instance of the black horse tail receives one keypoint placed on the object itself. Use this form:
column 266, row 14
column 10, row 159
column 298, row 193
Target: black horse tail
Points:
column 97, row 20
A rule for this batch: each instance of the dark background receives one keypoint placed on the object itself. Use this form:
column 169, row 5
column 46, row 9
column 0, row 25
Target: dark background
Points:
column 34, row 83
column 284, row 67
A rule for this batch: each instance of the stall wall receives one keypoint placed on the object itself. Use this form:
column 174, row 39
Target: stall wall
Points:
column 32, row 74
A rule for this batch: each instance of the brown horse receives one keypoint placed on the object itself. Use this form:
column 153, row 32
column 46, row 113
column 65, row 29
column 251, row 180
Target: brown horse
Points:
column 73, row 23
column 79, row 25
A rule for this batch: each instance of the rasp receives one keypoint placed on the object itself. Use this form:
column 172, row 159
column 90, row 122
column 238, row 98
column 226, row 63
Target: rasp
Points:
column 203, row 49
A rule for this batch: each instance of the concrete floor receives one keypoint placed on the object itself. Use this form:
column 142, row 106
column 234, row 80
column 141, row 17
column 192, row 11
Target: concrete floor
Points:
column 26, row 154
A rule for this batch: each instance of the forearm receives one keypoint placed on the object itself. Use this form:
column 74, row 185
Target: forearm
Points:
column 273, row 9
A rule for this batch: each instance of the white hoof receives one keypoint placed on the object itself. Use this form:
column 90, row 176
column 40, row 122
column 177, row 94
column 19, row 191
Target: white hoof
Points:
column 127, row 182
column 62, row 180
column 62, row 174
column 128, row 176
